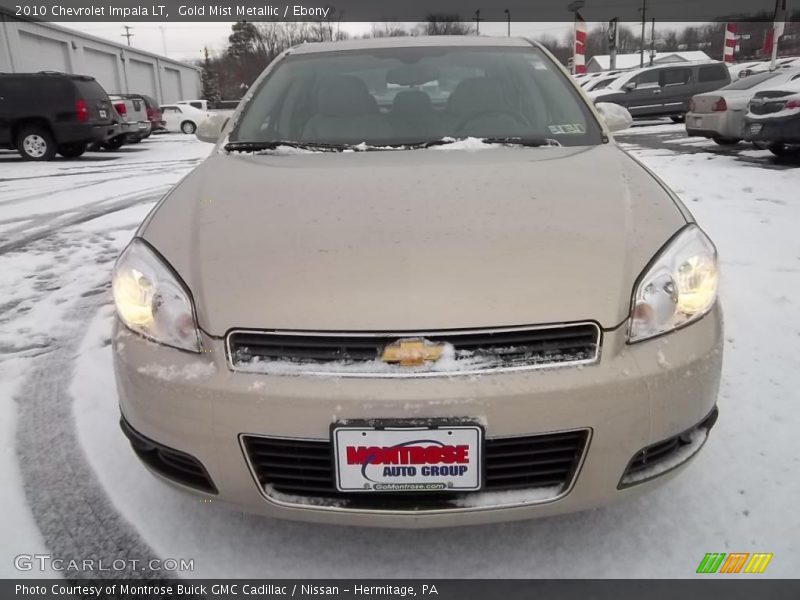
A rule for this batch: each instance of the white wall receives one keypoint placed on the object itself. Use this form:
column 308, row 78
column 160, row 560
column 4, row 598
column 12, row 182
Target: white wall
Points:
column 29, row 47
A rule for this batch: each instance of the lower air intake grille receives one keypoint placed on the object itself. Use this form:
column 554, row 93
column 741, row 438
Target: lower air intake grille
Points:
column 665, row 455
column 303, row 469
column 172, row 464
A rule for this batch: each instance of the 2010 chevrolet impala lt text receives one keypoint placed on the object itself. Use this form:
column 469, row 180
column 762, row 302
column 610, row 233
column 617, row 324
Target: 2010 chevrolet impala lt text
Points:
column 417, row 284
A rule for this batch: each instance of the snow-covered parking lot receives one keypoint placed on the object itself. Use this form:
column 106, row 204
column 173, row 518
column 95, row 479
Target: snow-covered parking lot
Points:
column 74, row 489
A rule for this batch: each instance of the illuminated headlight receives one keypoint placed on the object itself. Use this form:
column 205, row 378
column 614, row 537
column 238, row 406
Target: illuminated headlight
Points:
column 151, row 300
column 679, row 287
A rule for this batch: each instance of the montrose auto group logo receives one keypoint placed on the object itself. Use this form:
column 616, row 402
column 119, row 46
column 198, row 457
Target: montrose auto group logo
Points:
column 415, row 458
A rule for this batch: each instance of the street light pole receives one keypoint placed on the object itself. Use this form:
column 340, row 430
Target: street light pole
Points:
column 477, row 20
column 508, row 16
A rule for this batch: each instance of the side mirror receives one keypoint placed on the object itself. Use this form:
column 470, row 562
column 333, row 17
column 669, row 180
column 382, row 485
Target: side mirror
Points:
column 211, row 129
column 615, row 117
column 630, row 86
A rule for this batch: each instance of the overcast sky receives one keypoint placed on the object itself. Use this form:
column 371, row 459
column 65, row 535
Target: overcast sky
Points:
column 185, row 41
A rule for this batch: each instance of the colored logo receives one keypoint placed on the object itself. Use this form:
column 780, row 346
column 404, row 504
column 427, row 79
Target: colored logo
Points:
column 735, row 562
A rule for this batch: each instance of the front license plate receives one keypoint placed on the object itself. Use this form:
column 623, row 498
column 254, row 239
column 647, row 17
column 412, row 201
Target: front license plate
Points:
column 103, row 114
column 755, row 128
column 408, row 459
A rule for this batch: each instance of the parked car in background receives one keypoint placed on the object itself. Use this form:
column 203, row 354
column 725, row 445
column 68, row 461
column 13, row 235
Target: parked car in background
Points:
column 664, row 90
column 209, row 106
column 133, row 112
column 741, row 70
column 152, row 111
column 42, row 114
column 183, row 117
column 719, row 115
column 774, row 120
column 600, row 83
column 590, row 80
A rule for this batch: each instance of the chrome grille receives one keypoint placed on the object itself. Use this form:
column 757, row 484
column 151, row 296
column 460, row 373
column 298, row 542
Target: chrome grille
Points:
column 473, row 350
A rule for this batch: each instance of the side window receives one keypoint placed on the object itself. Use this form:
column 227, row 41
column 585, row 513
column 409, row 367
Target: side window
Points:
column 711, row 73
column 196, row 105
column 646, row 79
column 677, row 76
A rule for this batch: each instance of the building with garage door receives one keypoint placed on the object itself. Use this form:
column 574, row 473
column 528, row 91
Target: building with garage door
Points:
column 27, row 47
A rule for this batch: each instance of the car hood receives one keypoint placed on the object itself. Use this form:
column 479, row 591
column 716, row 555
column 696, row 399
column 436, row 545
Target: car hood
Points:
column 415, row 239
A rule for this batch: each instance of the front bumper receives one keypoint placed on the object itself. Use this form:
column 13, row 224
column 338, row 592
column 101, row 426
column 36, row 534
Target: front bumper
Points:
column 634, row 397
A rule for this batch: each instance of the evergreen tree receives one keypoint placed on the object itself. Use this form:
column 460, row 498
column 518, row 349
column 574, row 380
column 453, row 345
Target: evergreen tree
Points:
column 209, row 81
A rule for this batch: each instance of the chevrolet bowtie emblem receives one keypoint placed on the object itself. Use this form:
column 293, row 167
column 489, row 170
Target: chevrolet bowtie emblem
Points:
column 412, row 353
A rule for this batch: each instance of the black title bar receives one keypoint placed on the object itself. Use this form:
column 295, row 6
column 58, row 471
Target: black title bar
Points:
column 712, row 587
column 389, row 10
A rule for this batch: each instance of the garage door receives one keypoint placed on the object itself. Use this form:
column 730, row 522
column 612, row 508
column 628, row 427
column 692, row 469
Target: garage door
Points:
column 103, row 67
column 42, row 54
column 141, row 78
column 173, row 90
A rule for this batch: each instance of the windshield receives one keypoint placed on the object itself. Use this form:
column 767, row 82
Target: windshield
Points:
column 413, row 95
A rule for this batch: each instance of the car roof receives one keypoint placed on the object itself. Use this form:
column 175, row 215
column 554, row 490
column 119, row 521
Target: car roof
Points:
column 413, row 42
column 53, row 74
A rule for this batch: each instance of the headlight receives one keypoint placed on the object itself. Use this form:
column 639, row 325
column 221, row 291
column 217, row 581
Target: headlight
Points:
column 679, row 287
column 151, row 299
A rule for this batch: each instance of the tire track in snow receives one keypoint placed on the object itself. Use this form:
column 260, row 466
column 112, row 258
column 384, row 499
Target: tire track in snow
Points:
column 76, row 518
column 82, row 216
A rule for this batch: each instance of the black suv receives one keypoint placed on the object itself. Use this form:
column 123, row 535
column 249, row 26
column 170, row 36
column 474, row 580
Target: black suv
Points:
column 44, row 113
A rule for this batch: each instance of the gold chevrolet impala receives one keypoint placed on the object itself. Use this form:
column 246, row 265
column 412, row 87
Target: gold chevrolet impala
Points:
column 417, row 284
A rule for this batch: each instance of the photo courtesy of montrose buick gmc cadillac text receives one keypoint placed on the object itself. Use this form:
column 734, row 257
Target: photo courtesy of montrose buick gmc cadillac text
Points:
column 417, row 284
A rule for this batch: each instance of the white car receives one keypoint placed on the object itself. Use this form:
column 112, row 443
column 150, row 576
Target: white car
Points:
column 719, row 115
column 183, row 118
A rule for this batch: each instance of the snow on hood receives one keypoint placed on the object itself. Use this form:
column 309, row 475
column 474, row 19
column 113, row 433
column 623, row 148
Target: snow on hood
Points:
column 415, row 240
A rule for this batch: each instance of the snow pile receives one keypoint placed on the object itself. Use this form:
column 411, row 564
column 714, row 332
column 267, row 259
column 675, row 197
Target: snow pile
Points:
column 508, row 498
column 274, row 494
column 468, row 143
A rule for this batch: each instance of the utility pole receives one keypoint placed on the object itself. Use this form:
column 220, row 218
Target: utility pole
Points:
column 508, row 16
column 477, row 20
column 652, row 41
column 641, row 46
column 128, row 33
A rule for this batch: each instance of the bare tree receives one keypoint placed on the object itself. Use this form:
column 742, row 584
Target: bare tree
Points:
column 387, row 30
column 442, row 24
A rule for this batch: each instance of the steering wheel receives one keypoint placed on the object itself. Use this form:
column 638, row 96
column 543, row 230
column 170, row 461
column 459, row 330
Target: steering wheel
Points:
column 498, row 111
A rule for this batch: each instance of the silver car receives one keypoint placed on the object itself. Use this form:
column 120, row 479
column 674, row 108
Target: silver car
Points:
column 370, row 308
column 719, row 115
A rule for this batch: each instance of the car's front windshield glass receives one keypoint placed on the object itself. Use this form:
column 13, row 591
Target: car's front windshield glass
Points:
column 412, row 95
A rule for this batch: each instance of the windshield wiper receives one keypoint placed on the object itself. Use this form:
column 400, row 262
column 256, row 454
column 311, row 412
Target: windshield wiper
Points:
column 273, row 144
column 532, row 142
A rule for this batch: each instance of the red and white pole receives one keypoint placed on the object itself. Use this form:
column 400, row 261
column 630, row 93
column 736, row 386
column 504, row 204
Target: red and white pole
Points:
column 730, row 42
column 579, row 54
